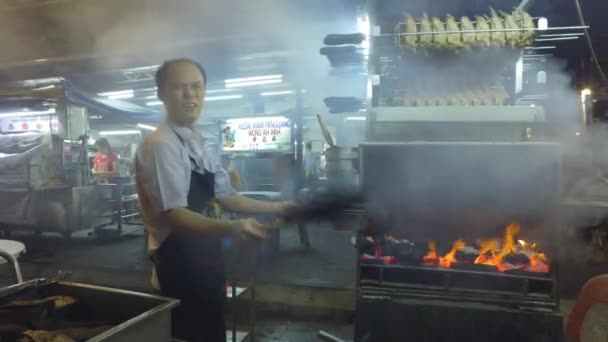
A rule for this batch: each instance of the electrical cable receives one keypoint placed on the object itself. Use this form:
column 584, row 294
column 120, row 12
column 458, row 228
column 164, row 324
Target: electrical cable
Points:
column 589, row 43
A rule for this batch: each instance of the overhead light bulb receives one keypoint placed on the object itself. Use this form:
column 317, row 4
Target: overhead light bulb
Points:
column 28, row 113
column 253, row 83
column 277, row 93
column 146, row 127
column 214, row 91
column 117, row 92
column 125, row 132
column 236, row 121
column 121, row 96
column 253, row 79
column 226, row 97
column 355, row 118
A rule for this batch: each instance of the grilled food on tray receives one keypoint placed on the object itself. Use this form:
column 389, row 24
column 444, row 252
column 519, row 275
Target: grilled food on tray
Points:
column 59, row 302
column 63, row 335
column 491, row 95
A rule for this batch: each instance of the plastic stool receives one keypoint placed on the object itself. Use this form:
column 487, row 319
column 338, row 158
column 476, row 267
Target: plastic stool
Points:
column 594, row 292
column 9, row 251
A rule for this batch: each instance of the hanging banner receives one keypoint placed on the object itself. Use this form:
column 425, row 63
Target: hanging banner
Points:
column 257, row 134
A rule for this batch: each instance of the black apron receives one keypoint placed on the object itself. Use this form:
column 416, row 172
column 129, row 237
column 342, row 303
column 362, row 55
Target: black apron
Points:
column 191, row 269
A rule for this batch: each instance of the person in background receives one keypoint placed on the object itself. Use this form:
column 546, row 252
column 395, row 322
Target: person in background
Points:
column 105, row 163
column 284, row 176
column 178, row 176
column 235, row 177
column 311, row 164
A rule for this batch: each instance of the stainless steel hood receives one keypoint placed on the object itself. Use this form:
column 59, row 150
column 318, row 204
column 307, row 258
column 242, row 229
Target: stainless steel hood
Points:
column 457, row 190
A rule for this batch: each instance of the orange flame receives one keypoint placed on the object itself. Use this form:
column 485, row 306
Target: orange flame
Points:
column 537, row 264
column 449, row 259
column 431, row 256
column 487, row 247
column 492, row 252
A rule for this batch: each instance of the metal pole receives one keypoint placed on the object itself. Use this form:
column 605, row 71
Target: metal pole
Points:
column 298, row 120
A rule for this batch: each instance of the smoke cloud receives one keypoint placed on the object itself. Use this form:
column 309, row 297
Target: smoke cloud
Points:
column 124, row 33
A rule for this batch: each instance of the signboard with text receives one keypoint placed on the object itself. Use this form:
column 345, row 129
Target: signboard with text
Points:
column 28, row 124
column 257, row 134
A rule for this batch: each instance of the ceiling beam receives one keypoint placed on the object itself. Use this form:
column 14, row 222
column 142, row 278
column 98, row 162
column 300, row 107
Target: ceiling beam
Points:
column 33, row 4
column 158, row 48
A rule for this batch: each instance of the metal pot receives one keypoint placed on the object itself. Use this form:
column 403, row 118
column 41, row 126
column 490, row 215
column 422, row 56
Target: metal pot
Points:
column 342, row 164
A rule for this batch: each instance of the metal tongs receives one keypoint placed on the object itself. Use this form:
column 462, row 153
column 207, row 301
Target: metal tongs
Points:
column 34, row 283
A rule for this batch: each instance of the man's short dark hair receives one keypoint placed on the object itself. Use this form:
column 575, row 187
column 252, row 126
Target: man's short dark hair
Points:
column 161, row 73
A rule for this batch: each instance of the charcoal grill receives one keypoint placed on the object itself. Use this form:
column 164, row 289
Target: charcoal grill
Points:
column 447, row 191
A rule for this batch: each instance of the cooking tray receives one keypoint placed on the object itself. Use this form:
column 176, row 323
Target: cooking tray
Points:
column 131, row 316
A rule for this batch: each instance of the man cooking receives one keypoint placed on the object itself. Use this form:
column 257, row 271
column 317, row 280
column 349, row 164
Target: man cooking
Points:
column 177, row 176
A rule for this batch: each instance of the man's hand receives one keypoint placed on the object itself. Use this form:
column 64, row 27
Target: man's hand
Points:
column 252, row 228
column 282, row 208
column 244, row 205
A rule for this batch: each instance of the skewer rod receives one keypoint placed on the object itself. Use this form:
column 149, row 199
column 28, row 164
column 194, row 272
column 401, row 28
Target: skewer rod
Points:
column 539, row 47
column 483, row 31
column 554, row 39
column 561, row 35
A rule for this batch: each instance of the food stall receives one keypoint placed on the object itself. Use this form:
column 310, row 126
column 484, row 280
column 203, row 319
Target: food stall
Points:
column 45, row 183
column 118, row 192
column 262, row 151
column 257, row 147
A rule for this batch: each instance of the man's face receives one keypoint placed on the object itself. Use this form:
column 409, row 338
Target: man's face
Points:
column 183, row 93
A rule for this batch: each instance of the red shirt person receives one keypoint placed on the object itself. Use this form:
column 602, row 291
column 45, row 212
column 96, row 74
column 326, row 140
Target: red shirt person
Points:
column 105, row 163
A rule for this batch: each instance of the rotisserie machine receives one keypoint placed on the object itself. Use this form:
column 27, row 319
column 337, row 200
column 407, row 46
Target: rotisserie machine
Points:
column 461, row 177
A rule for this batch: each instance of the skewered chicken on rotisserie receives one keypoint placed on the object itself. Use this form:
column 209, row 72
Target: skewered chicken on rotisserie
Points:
column 513, row 37
column 411, row 40
column 468, row 38
column 497, row 36
column 527, row 23
column 455, row 37
column 426, row 26
column 497, row 29
column 483, row 28
column 440, row 38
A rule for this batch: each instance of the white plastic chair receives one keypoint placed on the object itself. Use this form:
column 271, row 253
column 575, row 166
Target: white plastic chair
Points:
column 10, row 251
